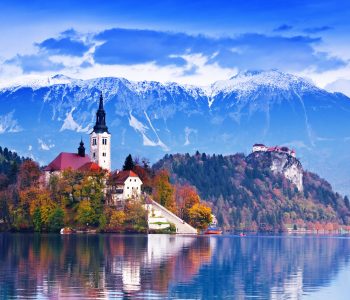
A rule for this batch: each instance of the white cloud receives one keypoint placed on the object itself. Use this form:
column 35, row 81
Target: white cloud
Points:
column 46, row 146
column 326, row 79
column 341, row 85
column 204, row 74
column 8, row 123
column 30, row 148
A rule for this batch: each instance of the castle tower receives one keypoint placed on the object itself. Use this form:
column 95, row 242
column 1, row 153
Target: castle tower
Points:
column 100, row 140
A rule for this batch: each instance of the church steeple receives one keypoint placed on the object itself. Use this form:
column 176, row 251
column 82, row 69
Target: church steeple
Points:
column 100, row 125
column 81, row 149
column 100, row 139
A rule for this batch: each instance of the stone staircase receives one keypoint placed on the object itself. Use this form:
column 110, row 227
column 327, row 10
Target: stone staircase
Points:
column 181, row 226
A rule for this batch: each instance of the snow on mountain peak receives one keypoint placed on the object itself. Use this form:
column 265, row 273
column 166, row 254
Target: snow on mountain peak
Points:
column 242, row 84
column 246, row 82
column 35, row 82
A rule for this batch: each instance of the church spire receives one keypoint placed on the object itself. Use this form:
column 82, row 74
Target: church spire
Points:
column 101, row 102
column 100, row 125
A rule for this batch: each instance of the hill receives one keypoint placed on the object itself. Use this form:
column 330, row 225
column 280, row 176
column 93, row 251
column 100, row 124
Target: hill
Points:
column 9, row 165
column 42, row 117
column 250, row 192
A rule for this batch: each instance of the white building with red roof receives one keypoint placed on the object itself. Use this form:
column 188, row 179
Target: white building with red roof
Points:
column 124, row 185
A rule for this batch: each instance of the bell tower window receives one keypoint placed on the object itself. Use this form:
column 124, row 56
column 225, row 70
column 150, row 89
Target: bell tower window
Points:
column 104, row 141
column 94, row 142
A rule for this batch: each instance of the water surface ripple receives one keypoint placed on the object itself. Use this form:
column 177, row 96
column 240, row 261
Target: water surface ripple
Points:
column 48, row 266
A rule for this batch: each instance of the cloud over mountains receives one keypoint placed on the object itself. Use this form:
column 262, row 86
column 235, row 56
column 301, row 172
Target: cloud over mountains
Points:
column 135, row 47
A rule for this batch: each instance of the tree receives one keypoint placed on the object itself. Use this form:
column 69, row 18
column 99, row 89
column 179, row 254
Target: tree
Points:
column 37, row 219
column 92, row 189
column 135, row 216
column 129, row 163
column 347, row 202
column 85, row 213
column 4, row 181
column 4, row 208
column 200, row 216
column 163, row 191
column 117, row 220
column 56, row 220
column 29, row 174
column 186, row 196
column 145, row 175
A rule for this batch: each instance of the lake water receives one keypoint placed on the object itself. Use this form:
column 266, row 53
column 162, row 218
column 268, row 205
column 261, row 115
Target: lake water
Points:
column 34, row 266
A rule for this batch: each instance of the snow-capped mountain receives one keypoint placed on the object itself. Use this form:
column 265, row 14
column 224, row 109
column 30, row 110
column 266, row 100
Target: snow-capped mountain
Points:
column 41, row 117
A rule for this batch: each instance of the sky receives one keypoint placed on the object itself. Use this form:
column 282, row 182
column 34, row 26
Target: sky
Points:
column 190, row 42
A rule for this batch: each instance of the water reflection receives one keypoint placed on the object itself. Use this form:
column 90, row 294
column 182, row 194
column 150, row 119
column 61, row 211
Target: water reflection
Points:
column 162, row 266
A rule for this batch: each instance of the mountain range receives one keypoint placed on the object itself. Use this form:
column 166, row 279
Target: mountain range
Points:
column 42, row 117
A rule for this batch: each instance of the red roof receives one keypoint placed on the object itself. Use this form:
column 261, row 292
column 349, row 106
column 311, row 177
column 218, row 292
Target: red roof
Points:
column 120, row 177
column 90, row 166
column 66, row 160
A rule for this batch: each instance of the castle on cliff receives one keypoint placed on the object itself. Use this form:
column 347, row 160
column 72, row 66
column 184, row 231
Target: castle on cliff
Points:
column 283, row 149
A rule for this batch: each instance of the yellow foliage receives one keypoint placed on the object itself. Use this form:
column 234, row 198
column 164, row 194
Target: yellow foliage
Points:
column 200, row 216
column 117, row 219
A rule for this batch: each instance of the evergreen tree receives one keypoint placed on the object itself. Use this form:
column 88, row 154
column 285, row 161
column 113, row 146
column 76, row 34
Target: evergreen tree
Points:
column 347, row 202
column 129, row 163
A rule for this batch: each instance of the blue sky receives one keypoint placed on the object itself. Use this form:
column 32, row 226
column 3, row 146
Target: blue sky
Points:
column 194, row 42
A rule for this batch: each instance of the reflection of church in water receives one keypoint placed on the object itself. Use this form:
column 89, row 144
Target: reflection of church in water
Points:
column 141, row 271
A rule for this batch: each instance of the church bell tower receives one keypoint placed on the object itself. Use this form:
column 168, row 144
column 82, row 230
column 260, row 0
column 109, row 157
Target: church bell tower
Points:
column 100, row 140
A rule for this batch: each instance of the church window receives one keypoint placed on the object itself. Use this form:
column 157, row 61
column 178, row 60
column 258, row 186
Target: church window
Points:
column 94, row 143
column 104, row 141
column 94, row 155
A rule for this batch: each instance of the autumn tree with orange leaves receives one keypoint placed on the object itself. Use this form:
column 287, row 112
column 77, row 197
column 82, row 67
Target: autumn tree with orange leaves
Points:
column 186, row 196
column 163, row 191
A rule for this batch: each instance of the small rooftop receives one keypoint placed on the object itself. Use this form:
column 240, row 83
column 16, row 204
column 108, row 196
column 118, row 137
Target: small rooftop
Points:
column 66, row 160
column 122, row 176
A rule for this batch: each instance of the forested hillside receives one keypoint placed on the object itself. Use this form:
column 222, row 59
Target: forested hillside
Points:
column 246, row 194
column 9, row 165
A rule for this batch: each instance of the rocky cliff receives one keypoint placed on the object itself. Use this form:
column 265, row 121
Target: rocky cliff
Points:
column 280, row 163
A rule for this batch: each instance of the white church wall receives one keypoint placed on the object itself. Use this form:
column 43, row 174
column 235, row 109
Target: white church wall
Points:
column 100, row 149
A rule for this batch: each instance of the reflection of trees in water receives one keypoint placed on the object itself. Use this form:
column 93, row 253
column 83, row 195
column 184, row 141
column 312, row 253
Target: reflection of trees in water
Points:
column 93, row 265
column 259, row 266
column 133, row 266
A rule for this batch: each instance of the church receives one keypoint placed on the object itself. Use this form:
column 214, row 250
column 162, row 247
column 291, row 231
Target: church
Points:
column 129, row 184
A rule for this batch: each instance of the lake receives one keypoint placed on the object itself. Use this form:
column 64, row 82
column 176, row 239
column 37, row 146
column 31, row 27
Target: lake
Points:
column 49, row 266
